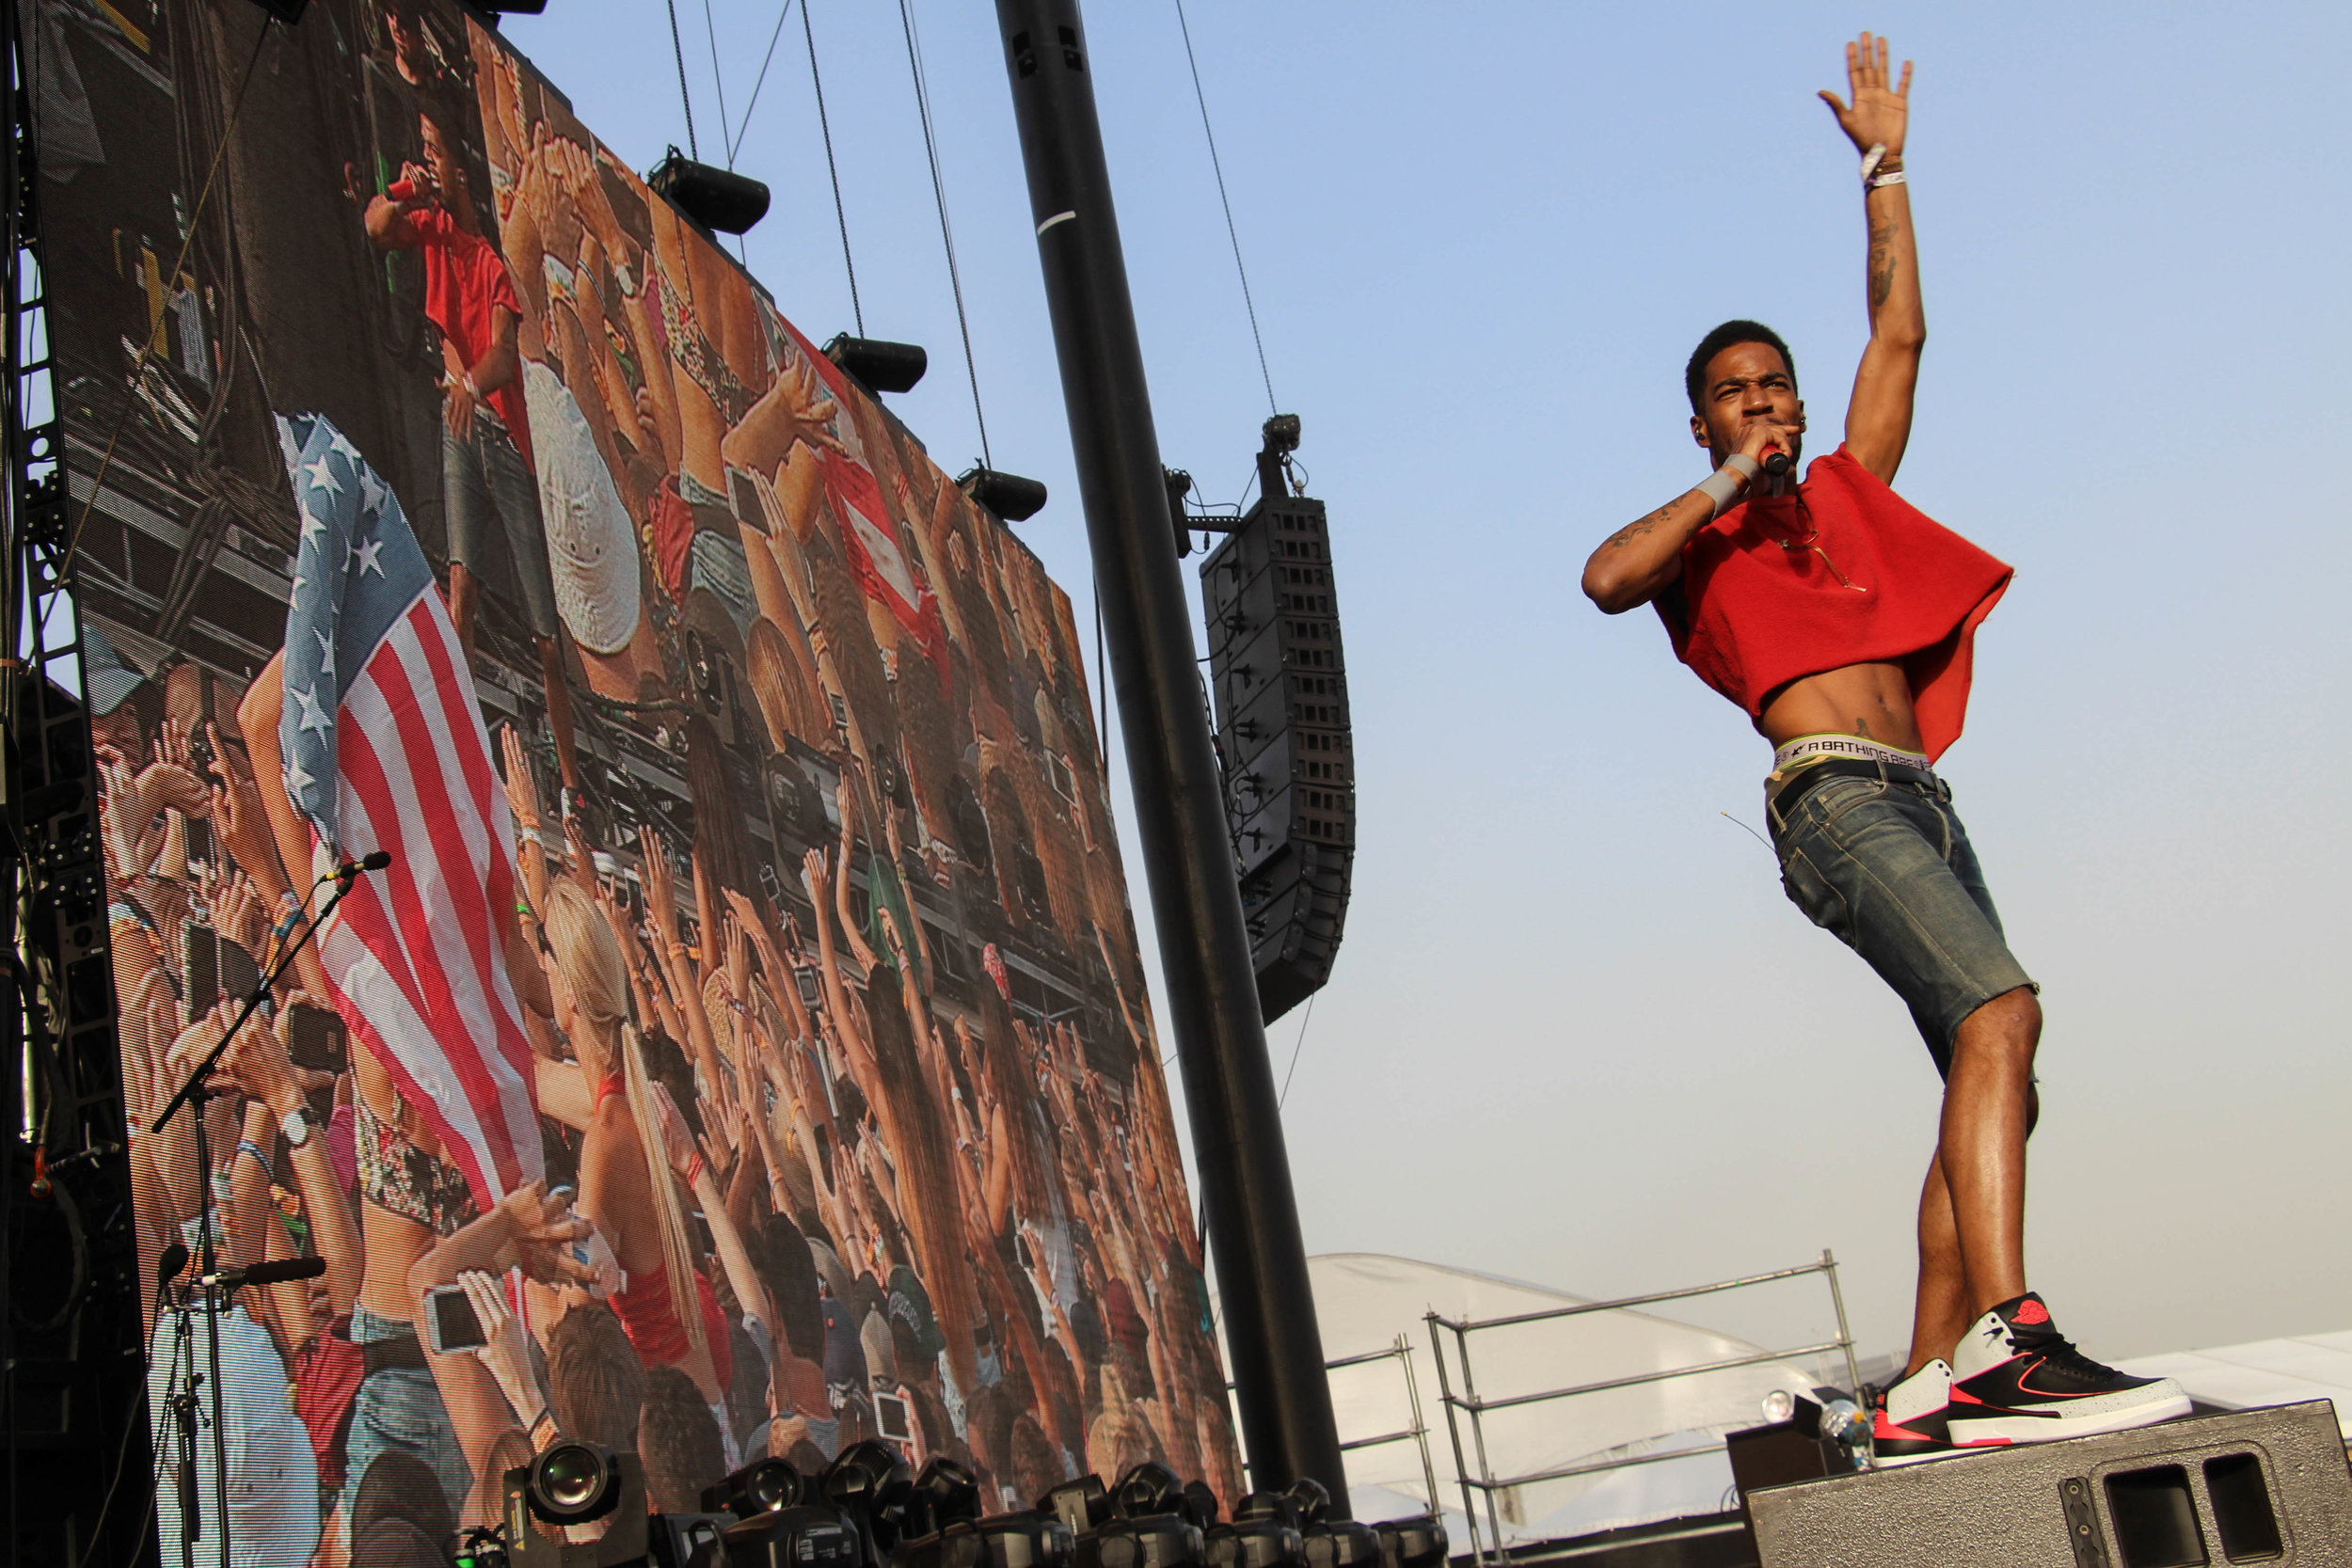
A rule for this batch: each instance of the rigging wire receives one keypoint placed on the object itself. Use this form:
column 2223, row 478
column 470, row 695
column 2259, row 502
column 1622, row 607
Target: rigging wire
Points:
column 743, row 127
column 947, row 235
column 147, row 345
column 718, row 82
column 1230, row 232
column 1296, row 1049
column 679, row 48
column 857, row 312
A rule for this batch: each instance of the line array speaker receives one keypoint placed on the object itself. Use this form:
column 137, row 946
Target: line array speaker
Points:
column 1277, row 672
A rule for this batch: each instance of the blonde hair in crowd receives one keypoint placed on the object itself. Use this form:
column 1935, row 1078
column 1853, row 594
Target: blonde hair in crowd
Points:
column 591, row 961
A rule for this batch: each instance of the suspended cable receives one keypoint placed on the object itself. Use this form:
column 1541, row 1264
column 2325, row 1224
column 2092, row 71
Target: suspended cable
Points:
column 744, row 126
column 1232, row 233
column 678, row 47
column 1285, row 1098
column 947, row 235
column 718, row 82
column 147, row 345
column 840, row 214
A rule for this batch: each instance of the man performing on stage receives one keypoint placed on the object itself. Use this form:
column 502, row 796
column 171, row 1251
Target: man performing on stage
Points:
column 1842, row 620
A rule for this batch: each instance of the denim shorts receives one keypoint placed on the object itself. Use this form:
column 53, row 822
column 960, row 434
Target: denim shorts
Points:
column 486, row 484
column 400, row 1407
column 1885, row 867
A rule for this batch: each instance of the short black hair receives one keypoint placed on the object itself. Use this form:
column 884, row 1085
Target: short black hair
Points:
column 1723, row 337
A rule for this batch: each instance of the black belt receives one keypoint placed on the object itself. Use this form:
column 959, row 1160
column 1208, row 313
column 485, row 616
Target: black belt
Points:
column 401, row 1352
column 1787, row 795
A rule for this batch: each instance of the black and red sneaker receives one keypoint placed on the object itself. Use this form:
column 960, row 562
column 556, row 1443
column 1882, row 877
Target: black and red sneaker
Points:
column 2016, row 1379
column 1911, row 1423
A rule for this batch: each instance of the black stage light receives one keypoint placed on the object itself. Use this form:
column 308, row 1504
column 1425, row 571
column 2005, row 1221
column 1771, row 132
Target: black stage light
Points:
column 1165, row 1541
column 1309, row 1495
column 686, row 1540
column 1010, row 496
column 573, row 1483
column 1413, row 1543
column 945, row 1494
column 1202, row 1501
column 870, row 1482
column 1341, row 1543
column 1080, row 1504
column 882, row 366
column 800, row 1537
column 1149, row 1489
column 1255, row 1543
column 713, row 198
column 762, row 1486
column 1022, row 1540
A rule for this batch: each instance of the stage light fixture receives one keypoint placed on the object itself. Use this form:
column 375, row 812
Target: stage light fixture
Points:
column 1164, row 1541
column 573, row 1483
column 798, row 1537
column 1010, row 496
column 1149, row 1489
column 714, row 200
column 1413, row 1543
column 762, row 1486
column 880, row 365
column 1082, row 1504
column 945, row 1494
column 1260, row 1543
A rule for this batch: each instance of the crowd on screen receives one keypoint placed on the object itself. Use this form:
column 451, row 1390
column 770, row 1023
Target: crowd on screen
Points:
column 811, row 1175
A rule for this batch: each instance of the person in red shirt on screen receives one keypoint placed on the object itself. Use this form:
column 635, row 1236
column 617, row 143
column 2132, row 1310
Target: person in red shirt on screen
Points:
column 1841, row 620
column 487, row 477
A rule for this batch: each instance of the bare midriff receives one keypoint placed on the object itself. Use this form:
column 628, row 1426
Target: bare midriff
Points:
column 1872, row 701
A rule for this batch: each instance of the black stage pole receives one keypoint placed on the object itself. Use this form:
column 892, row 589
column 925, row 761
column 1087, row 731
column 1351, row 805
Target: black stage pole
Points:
column 1187, row 853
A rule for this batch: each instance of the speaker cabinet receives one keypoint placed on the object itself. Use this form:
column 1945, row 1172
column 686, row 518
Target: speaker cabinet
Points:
column 2252, row 1486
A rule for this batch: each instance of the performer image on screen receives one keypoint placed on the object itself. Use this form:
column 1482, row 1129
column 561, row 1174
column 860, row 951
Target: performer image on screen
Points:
column 1841, row 620
column 487, row 469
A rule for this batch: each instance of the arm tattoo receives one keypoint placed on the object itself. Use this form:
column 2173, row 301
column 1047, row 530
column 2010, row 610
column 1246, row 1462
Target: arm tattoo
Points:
column 1882, row 263
column 1631, row 531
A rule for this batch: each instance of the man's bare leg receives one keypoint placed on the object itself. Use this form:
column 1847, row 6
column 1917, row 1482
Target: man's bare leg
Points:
column 464, row 590
column 1940, row 1314
column 1971, row 1210
column 559, row 709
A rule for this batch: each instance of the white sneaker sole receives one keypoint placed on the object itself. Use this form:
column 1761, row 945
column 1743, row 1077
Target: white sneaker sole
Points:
column 2043, row 1429
column 1895, row 1461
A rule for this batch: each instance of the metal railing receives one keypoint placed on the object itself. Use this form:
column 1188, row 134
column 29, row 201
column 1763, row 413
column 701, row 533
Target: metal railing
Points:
column 1416, row 1431
column 1469, row 1403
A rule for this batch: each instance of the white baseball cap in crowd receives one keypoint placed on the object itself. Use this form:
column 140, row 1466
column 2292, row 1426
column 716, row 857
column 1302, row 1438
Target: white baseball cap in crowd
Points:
column 591, row 549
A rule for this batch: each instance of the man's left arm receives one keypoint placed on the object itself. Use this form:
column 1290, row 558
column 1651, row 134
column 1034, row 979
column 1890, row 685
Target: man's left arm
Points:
column 1878, row 418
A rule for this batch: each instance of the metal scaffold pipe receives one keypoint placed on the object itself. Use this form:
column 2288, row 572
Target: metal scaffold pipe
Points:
column 1252, row 1222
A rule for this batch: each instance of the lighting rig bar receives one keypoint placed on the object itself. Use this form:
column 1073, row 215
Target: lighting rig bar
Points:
column 72, row 1375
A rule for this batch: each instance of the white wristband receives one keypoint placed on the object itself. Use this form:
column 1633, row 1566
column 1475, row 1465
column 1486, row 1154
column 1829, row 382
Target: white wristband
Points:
column 1898, row 178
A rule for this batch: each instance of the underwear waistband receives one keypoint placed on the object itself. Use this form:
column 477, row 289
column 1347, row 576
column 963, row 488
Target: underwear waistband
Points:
column 1793, row 755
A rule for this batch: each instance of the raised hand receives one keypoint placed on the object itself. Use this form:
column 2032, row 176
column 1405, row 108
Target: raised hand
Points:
column 522, row 788
column 660, row 887
column 1879, row 115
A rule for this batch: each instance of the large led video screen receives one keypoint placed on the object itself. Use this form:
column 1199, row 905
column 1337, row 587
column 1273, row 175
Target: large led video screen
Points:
column 745, row 1051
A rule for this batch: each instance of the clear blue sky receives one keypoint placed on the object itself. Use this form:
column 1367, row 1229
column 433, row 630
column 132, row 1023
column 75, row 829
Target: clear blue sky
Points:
column 1577, row 1035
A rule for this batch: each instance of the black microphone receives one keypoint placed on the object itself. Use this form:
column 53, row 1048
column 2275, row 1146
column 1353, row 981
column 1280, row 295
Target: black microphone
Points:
column 1776, row 462
column 167, row 1267
column 274, row 1272
column 375, row 860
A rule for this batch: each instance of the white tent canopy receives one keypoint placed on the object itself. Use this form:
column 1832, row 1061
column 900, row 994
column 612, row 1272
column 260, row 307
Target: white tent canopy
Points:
column 2269, row 1372
column 1365, row 1301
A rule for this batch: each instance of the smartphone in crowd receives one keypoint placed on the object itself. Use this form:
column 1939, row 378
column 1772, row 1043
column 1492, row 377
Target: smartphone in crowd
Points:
column 452, row 1324
column 317, row 1039
column 211, row 967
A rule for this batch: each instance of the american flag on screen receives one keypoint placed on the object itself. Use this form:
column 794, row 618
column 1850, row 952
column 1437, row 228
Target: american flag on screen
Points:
column 385, row 750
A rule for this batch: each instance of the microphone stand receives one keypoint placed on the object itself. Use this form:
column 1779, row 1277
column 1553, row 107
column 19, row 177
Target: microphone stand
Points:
column 197, row 1092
